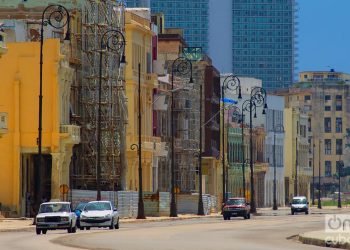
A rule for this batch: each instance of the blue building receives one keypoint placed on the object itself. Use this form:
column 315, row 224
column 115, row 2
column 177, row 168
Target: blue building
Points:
column 263, row 41
column 191, row 16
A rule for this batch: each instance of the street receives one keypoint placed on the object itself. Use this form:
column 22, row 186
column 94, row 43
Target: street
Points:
column 261, row 232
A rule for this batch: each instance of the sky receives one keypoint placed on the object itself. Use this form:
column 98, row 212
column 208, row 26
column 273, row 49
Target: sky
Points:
column 324, row 35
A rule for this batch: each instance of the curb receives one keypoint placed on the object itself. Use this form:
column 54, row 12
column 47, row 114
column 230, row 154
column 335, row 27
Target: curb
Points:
column 322, row 242
column 149, row 219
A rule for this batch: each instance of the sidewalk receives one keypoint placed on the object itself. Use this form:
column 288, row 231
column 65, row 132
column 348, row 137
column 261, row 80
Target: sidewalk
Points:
column 26, row 224
column 321, row 238
column 267, row 211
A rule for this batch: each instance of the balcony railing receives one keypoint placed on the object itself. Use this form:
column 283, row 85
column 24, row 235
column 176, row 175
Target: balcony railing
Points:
column 73, row 132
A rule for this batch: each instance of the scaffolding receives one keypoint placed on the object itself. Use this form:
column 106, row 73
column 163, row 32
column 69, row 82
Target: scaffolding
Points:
column 96, row 18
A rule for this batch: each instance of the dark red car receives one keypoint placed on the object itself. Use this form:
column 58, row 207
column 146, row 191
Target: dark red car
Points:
column 236, row 207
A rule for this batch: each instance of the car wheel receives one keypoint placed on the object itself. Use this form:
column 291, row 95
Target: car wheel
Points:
column 112, row 225
column 224, row 217
column 248, row 216
column 292, row 212
column 228, row 217
column 74, row 229
column 117, row 225
column 38, row 231
column 306, row 212
column 44, row 231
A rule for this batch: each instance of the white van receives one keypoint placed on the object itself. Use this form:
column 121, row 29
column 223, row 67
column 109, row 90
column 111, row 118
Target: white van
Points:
column 299, row 204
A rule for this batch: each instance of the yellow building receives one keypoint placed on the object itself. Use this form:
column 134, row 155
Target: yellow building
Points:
column 139, row 50
column 23, row 185
column 298, row 171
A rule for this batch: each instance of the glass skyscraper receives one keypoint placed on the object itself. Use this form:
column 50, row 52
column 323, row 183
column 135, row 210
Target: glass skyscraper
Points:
column 190, row 15
column 264, row 41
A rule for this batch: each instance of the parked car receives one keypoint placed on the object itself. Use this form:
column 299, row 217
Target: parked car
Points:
column 99, row 214
column 299, row 204
column 55, row 215
column 78, row 210
column 235, row 207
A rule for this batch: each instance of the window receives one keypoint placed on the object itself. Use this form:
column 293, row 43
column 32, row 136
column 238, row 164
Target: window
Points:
column 339, row 146
column 309, row 125
column 338, row 125
column 327, row 125
column 328, row 168
column 338, row 103
column 307, row 98
column 327, row 97
column 327, row 146
column 303, row 130
column 327, row 108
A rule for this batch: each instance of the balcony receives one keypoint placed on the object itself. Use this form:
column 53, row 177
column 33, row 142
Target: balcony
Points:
column 182, row 144
column 3, row 48
column 71, row 133
column 151, row 78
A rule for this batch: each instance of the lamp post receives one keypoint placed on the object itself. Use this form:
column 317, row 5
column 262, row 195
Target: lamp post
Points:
column 232, row 83
column 257, row 99
column 111, row 40
column 199, row 156
column 340, row 168
column 183, row 67
column 319, row 206
column 141, row 209
column 313, row 171
column 296, row 167
column 57, row 17
column 279, row 129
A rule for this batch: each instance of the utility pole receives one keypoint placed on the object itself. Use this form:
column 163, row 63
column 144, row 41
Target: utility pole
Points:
column 296, row 168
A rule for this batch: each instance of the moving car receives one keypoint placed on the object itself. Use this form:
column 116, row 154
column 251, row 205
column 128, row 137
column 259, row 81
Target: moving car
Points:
column 299, row 204
column 99, row 214
column 55, row 215
column 235, row 207
column 78, row 210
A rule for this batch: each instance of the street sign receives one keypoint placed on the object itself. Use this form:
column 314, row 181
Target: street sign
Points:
column 64, row 189
column 192, row 53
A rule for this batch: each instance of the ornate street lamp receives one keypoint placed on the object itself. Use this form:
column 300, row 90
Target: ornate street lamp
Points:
column 141, row 207
column 183, row 67
column 199, row 156
column 231, row 83
column 257, row 99
column 111, row 40
column 57, row 17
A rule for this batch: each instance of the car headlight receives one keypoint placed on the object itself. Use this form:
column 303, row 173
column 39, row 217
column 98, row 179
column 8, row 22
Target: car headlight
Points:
column 107, row 216
column 40, row 219
column 82, row 216
column 64, row 219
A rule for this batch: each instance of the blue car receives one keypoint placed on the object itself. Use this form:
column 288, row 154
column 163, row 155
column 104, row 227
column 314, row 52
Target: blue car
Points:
column 78, row 210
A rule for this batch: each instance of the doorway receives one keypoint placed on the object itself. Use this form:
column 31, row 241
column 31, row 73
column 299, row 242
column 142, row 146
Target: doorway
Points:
column 35, row 183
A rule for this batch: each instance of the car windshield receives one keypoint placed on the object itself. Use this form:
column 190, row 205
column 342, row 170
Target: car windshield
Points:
column 80, row 206
column 235, row 202
column 299, row 201
column 54, row 208
column 97, row 206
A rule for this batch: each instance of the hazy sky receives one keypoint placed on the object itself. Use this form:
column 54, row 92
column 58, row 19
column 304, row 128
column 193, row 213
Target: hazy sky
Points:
column 324, row 35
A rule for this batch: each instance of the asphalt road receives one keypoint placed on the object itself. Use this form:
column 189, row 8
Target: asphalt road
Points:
column 267, row 233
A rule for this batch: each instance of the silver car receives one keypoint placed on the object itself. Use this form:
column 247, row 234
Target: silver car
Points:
column 99, row 214
column 299, row 204
column 55, row 215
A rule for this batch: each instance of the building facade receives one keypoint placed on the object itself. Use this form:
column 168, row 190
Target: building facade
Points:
column 23, row 184
column 274, row 154
column 191, row 16
column 263, row 42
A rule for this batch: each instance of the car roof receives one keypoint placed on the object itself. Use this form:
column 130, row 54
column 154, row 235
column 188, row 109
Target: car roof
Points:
column 299, row 197
column 55, row 202
column 98, row 201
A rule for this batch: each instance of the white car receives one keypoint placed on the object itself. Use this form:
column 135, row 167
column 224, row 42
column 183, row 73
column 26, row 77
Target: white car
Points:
column 55, row 215
column 299, row 204
column 99, row 214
